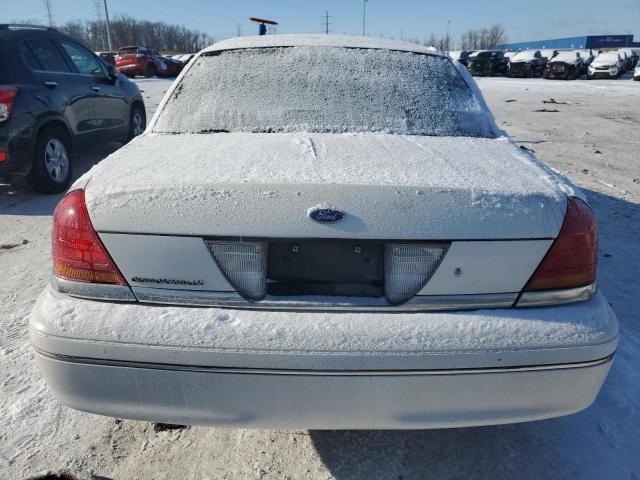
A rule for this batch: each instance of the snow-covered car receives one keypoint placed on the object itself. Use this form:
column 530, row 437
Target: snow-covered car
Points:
column 460, row 56
column 606, row 65
column 528, row 63
column 566, row 65
column 636, row 73
column 487, row 63
column 629, row 58
column 587, row 57
column 324, row 232
column 186, row 58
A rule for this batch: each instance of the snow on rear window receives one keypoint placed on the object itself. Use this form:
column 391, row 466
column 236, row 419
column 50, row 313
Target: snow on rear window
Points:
column 526, row 55
column 324, row 89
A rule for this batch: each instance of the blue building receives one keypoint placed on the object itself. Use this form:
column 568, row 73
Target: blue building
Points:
column 594, row 42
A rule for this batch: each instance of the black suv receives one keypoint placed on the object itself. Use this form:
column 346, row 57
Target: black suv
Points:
column 56, row 96
column 528, row 63
column 487, row 63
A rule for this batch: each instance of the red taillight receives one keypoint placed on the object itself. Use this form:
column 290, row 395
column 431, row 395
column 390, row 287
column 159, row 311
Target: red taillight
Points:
column 7, row 98
column 572, row 260
column 3, row 157
column 78, row 254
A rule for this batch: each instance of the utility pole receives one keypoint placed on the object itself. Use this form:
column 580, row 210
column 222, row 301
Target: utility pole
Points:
column 47, row 6
column 364, row 17
column 106, row 14
column 326, row 22
column 446, row 39
column 100, row 34
column 238, row 29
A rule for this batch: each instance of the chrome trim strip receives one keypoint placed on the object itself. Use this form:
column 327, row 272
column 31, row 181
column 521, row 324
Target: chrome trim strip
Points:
column 345, row 304
column 93, row 291
column 332, row 373
column 556, row 297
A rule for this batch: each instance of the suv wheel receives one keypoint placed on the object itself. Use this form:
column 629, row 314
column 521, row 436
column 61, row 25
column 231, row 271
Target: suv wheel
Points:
column 52, row 168
column 137, row 121
column 151, row 71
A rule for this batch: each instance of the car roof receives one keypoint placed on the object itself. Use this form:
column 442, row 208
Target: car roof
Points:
column 20, row 31
column 346, row 41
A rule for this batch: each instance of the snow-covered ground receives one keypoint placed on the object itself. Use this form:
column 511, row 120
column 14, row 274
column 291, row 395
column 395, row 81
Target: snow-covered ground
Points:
column 588, row 130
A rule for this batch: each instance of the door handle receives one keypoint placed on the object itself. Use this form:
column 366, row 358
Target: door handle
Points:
column 50, row 84
column 95, row 88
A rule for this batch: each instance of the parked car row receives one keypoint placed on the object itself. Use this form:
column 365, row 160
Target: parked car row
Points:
column 144, row 61
column 566, row 64
column 58, row 97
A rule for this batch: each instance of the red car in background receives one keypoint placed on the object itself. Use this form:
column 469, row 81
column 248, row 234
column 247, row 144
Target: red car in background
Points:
column 133, row 61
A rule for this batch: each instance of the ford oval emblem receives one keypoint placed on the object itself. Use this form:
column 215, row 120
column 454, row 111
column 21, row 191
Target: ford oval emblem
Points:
column 326, row 215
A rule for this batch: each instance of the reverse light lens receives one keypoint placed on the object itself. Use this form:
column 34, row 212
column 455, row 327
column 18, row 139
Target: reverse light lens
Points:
column 408, row 268
column 572, row 260
column 244, row 264
column 7, row 99
column 78, row 254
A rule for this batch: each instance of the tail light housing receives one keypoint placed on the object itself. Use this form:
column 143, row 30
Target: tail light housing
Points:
column 408, row 268
column 77, row 252
column 244, row 264
column 572, row 260
column 8, row 95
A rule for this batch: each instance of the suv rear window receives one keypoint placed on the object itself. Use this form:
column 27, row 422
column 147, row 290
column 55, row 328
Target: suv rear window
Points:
column 324, row 89
column 48, row 55
column 128, row 51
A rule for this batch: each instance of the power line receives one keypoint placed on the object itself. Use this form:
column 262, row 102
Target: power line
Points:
column 326, row 22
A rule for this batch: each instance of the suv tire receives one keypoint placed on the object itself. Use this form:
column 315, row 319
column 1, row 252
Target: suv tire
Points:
column 52, row 168
column 151, row 71
column 137, row 121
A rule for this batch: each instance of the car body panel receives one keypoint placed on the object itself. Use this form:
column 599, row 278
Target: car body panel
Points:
column 144, row 259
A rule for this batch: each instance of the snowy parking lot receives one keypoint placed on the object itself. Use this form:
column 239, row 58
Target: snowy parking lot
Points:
column 588, row 130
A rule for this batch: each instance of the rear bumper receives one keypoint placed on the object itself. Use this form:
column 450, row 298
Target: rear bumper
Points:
column 322, row 370
column 17, row 139
column 323, row 400
column 132, row 69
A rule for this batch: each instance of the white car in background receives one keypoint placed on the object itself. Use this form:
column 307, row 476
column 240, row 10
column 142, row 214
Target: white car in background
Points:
column 606, row 65
column 324, row 232
column 636, row 73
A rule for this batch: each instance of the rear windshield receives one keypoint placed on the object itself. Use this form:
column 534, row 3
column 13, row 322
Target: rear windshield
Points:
column 485, row 55
column 324, row 89
column 127, row 51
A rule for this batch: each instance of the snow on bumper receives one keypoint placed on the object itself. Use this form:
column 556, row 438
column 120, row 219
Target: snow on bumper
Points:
column 312, row 370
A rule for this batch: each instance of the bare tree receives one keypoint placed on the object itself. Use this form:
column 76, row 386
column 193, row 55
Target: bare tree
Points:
column 483, row 39
column 129, row 31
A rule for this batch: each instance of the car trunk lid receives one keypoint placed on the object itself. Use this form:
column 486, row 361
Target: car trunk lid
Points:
column 388, row 186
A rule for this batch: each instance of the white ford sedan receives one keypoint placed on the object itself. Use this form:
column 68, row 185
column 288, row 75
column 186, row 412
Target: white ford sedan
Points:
column 324, row 232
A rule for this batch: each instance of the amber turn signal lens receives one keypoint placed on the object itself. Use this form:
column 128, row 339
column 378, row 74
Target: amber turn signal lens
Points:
column 78, row 254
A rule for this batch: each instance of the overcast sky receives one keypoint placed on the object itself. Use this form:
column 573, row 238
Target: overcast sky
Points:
column 524, row 20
